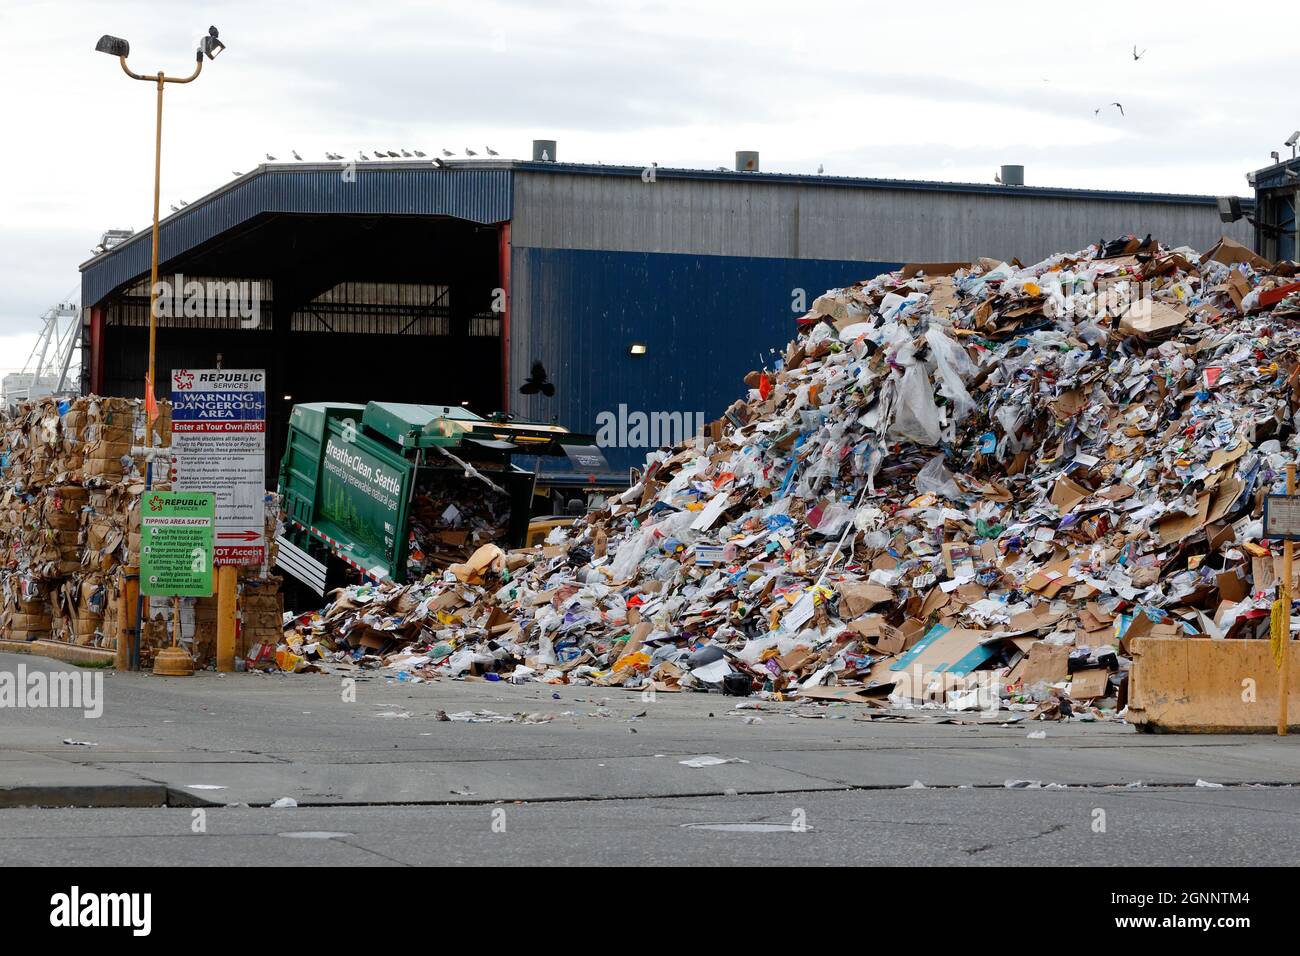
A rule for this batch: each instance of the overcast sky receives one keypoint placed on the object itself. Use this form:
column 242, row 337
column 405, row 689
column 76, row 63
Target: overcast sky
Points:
column 933, row 91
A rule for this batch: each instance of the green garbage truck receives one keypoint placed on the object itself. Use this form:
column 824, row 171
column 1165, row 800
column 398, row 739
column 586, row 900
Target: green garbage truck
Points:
column 392, row 491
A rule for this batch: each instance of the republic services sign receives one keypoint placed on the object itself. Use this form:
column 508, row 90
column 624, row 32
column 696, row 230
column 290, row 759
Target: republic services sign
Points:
column 219, row 445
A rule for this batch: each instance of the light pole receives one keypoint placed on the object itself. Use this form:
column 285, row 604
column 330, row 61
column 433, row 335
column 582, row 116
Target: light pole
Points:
column 115, row 46
column 210, row 46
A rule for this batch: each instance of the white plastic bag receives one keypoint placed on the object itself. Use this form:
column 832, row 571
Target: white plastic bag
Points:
column 936, row 479
column 953, row 367
column 916, row 417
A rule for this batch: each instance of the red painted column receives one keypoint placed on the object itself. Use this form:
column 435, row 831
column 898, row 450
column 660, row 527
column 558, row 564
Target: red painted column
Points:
column 503, row 275
column 97, row 350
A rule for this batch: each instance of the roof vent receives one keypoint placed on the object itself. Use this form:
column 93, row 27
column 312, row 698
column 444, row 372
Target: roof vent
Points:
column 746, row 160
column 1012, row 175
column 543, row 150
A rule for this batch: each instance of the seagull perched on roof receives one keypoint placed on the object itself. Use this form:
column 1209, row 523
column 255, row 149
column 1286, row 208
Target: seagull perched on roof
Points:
column 175, row 208
column 270, row 158
column 295, row 155
column 447, row 152
column 491, row 151
column 394, row 155
column 235, row 172
column 363, row 156
column 820, row 169
column 183, row 202
column 406, row 154
column 470, row 152
column 419, row 155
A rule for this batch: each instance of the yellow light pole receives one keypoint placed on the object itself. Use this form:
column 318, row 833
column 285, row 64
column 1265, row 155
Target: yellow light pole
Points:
column 115, row 46
column 210, row 46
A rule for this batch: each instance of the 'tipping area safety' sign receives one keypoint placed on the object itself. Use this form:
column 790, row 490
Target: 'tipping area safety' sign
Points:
column 176, row 543
column 219, row 445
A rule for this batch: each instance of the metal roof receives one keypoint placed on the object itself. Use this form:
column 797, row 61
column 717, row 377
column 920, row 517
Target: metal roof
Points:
column 866, row 182
column 477, row 190
column 479, row 194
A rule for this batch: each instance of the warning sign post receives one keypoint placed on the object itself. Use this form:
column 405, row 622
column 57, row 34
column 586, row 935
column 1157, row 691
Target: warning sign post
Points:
column 219, row 445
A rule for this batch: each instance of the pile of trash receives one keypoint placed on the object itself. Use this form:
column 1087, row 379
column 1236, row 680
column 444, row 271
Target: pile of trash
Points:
column 966, row 485
column 450, row 519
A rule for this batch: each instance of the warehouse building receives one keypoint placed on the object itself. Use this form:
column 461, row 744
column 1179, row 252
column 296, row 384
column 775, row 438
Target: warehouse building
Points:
column 598, row 297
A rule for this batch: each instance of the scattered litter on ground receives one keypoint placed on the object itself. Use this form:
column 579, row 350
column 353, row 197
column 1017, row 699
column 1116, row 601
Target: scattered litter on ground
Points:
column 710, row 761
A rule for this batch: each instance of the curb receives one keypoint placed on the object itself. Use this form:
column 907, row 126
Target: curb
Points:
column 132, row 796
column 68, row 653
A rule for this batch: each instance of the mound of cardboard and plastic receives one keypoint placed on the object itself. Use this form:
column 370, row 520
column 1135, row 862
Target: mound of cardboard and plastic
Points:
column 964, row 484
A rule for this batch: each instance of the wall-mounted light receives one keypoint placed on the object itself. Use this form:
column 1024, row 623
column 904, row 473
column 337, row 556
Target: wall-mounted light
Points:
column 637, row 348
column 288, row 398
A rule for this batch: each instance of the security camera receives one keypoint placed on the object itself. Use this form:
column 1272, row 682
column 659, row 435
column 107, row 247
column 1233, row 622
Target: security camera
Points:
column 1295, row 138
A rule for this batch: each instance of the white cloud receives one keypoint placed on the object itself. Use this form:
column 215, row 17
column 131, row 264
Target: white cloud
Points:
column 945, row 91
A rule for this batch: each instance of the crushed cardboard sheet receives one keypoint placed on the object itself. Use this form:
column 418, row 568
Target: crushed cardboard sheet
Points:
column 966, row 485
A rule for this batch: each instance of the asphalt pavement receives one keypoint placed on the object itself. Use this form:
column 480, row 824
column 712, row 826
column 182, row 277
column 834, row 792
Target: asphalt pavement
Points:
column 386, row 771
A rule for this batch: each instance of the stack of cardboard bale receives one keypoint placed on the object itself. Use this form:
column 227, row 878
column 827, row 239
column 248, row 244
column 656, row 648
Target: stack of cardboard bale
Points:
column 70, row 516
column 262, row 614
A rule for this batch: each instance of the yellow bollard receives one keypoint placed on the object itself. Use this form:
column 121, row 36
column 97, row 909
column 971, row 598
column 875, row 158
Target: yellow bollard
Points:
column 227, row 576
column 1284, row 679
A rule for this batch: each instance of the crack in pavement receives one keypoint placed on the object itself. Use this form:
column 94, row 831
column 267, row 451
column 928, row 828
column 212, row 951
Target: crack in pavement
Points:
column 1055, row 828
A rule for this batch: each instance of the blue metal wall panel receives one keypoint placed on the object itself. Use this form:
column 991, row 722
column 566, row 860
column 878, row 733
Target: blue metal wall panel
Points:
column 705, row 321
column 478, row 195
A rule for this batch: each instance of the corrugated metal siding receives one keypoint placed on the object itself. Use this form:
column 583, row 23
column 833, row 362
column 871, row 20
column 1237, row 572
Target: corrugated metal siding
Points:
column 864, row 182
column 706, row 321
column 478, row 195
column 798, row 219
